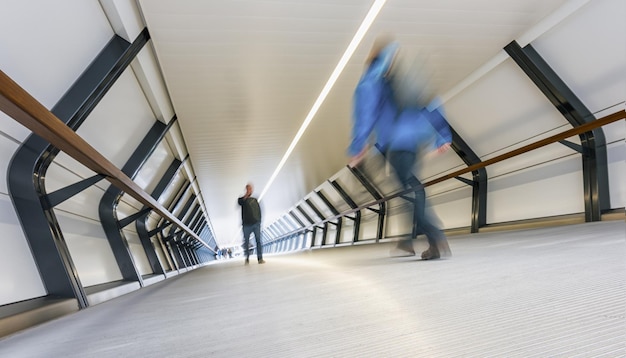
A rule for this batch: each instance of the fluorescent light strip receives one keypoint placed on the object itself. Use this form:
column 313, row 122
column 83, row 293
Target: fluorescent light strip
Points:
column 356, row 40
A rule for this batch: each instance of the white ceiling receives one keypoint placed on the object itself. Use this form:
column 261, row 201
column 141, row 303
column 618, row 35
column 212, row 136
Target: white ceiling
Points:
column 243, row 75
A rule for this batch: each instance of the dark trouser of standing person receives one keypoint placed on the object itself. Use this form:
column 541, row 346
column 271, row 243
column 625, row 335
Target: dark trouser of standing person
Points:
column 402, row 163
column 247, row 230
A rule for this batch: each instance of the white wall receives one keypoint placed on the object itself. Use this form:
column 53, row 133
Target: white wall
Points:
column 69, row 43
column 18, row 273
column 587, row 51
column 71, row 34
column 89, row 248
column 115, row 131
column 503, row 110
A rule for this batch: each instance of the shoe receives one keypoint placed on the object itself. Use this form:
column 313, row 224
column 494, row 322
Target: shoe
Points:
column 403, row 248
column 444, row 248
column 247, row 262
column 261, row 261
column 431, row 254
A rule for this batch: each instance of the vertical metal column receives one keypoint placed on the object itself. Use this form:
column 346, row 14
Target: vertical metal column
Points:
column 112, row 196
column 594, row 157
column 27, row 170
column 479, row 182
column 175, row 205
column 180, row 262
column 171, row 251
column 321, row 218
column 141, row 223
column 382, row 207
column 308, row 218
column 339, row 223
column 353, row 205
column 295, row 217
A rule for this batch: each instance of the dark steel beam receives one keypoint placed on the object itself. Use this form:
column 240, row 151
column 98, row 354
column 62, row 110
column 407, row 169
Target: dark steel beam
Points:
column 617, row 116
column 177, row 254
column 202, row 225
column 196, row 222
column 27, row 170
column 465, row 181
column 315, row 209
column 283, row 225
column 159, row 229
column 111, row 198
column 382, row 209
column 272, row 229
column 177, row 202
column 141, row 224
column 311, row 221
column 296, row 218
column 304, row 213
column 479, row 181
column 278, row 228
column 357, row 219
column 576, row 147
column 185, row 209
column 131, row 218
column 321, row 217
column 57, row 197
column 80, row 100
column 26, row 110
column 594, row 158
column 292, row 223
column 339, row 223
column 165, row 181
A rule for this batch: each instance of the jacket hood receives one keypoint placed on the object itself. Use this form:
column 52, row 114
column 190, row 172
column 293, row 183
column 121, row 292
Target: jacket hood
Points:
column 381, row 64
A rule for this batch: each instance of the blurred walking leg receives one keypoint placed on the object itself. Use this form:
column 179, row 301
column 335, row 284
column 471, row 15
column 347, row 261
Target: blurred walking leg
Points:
column 403, row 162
column 247, row 230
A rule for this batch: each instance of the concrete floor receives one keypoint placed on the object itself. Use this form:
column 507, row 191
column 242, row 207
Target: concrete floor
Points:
column 549, row 292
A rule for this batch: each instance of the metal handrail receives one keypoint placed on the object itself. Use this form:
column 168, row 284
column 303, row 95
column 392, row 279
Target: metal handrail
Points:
column 527, row 148
column 18, row 104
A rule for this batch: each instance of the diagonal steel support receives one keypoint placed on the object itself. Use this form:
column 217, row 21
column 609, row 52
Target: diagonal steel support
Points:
column 334, row 210
column 382, row 206
column 464, row 181
column 57, row 197
column 478, row 182
column 131, row 218
column 27, row 171
column 357, row 215
column 576, row 147
column 159, row 229
column 595, row 168
column 321, row 217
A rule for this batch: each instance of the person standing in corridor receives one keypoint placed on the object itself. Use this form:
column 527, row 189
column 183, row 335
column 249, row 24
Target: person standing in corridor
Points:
column 251, row 220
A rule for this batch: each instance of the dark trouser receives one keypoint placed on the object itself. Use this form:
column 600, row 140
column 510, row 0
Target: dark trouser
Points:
column 247, row 230
column 402, row 163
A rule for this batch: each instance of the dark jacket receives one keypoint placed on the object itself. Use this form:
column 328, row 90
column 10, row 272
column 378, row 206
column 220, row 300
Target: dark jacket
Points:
column 250, row 210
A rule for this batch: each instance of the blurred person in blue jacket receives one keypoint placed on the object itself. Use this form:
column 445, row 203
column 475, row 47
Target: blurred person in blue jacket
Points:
column 404, row 121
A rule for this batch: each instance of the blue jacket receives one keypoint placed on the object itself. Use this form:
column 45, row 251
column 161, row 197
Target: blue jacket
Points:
column 375, row 112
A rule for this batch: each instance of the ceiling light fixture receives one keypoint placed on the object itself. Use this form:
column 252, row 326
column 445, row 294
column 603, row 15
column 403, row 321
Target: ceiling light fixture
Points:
column 356, row 40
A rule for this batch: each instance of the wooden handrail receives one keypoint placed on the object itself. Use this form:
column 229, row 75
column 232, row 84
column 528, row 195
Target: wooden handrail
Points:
column 22, row 107
column 25, row 109
column 532, row 146
column 541, row 143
